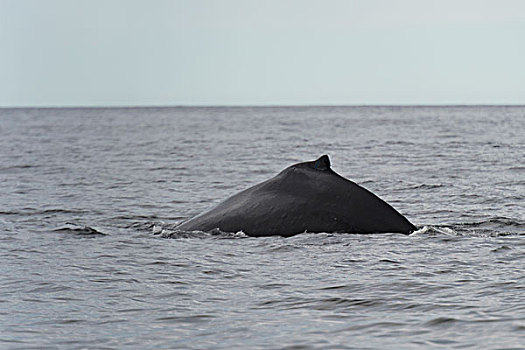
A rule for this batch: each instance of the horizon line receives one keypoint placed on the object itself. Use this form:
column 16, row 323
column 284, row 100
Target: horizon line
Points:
column 259, row 106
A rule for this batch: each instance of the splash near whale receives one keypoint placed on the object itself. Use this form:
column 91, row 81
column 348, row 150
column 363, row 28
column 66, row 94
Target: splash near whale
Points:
column 305, row 197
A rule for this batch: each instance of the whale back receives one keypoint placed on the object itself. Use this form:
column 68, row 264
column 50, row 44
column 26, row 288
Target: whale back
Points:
column 305, row 197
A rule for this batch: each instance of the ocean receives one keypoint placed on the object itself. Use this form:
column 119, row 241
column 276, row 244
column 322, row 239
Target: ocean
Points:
column 90, row 258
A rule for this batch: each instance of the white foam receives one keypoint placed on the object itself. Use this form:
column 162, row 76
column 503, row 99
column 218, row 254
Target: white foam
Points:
column 157, row 229
column 433, row 229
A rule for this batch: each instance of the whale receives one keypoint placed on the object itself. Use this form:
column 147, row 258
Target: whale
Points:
column 305, row 197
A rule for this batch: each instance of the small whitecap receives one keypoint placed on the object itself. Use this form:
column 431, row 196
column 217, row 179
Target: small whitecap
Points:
column 434, row 229
column 240, row 234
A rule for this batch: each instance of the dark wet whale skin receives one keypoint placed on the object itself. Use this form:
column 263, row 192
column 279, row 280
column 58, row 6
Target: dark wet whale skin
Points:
column 305, row 197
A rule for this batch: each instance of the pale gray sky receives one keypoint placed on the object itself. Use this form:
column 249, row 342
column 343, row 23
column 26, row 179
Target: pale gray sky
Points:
column 260, row 52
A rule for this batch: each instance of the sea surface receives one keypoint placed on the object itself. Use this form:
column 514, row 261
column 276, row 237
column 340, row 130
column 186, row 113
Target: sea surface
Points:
column 90, row 258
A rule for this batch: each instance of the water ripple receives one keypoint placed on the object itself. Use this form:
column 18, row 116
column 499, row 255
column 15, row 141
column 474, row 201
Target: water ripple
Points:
column 85, row 262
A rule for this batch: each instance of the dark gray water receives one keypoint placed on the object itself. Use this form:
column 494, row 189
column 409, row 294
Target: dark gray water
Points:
column 88, row 197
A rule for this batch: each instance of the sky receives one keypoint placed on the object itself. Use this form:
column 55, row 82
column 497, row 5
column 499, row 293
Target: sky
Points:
column 261, row 52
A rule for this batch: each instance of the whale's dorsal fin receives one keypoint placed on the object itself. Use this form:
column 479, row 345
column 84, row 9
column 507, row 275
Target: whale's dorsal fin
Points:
column 323, row 163
column 320, row 164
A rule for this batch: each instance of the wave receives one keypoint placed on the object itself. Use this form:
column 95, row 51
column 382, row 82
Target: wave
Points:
column 498, row 220
column 424, row 186
column 164, row 230
column 495, row 226
column 429, row 229
column 491, row 227
column 79, row 230
column 34, row 211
